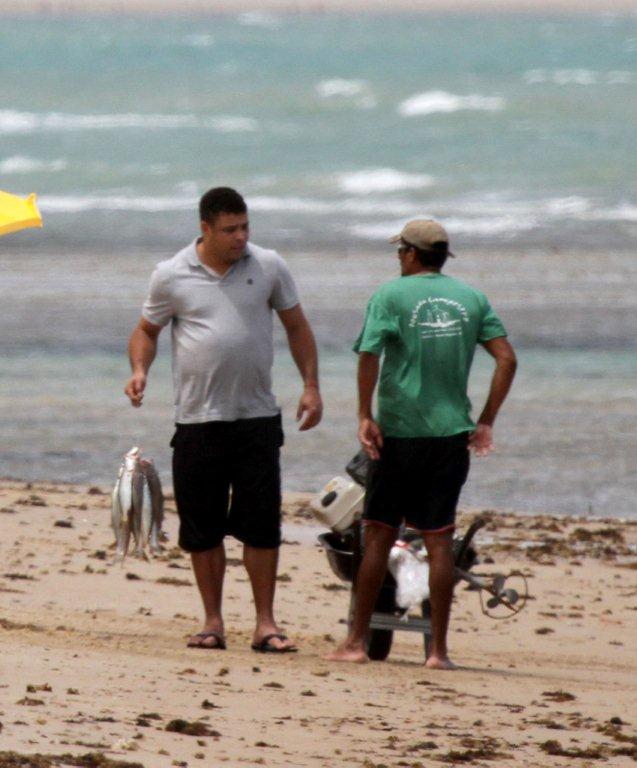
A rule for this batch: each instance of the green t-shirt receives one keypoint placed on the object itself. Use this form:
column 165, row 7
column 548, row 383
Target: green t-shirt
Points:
column 428, row 326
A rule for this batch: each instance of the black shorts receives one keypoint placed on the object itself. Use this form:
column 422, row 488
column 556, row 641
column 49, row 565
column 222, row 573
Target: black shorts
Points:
column 227, row 480
column 417, row 480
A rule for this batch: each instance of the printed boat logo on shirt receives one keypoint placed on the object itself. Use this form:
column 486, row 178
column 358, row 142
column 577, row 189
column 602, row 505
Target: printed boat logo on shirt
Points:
column 438, row 317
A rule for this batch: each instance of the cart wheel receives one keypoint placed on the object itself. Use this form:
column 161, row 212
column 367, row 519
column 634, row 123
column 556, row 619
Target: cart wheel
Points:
column 426, row 614
column 378, row 644
column 378, row 641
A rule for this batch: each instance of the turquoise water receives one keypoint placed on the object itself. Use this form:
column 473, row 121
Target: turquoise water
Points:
column 563, row 445
column 566, row 435
column 517, row 131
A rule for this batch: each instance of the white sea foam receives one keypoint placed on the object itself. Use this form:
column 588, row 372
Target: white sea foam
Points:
column 378, row 231
column 431, row 102
column 78, row 204
column 293, row 204
column 375, row 180
column 624, row 212
column 580, row 76
column 491, row 225
column 566, row 206
column 12, row 121
column 17, row 122
column 259, row 19
column 341, row 87
column 19, row 164
column 355, row 206
column 502, row 218
column 550, row 210
column 187, row 198
column 620, row 77
column 478, row 227
column 500, row 205
column 233, row 124
column 202, row 40
column 476, row 218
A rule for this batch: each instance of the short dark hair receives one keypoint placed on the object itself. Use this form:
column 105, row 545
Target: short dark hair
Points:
column 433, row 257
column 220, row 200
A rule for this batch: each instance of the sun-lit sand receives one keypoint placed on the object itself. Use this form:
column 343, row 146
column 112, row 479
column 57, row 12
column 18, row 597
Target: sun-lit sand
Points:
column 94, row 656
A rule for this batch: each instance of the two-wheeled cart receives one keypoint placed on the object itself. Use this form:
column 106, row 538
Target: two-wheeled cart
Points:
column 344, row 551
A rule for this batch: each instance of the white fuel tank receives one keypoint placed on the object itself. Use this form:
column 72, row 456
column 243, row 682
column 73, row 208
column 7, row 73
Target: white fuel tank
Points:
column 339, row 504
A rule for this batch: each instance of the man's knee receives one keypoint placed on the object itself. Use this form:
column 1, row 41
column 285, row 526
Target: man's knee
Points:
column 379, row 536
column 439, row 547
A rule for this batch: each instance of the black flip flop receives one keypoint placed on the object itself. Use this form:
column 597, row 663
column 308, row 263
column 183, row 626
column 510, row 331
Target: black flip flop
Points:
column 265, row 646
column 220, row 646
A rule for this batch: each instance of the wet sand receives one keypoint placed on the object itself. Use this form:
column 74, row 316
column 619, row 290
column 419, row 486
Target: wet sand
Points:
column 94, row 659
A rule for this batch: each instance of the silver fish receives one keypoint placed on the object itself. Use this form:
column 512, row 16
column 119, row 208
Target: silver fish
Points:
column 136, row 511
column 157, row 504
column 125, row 494
column 137, row 506
column 119, row 521
column 146, row 518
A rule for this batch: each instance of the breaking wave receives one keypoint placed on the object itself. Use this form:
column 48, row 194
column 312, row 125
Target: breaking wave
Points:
column 260, row 19
column 478, row 227
column 340, row 88
column 578, row 77
column 504, row 220
column 430, row 102
column 378, row 216
column 377, row 180
column 12, row 121
column 19, row 164
column 79, row 204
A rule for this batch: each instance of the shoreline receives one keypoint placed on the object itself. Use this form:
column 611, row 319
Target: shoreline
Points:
column 96, row 662
column 52, row 8
column 299, row 500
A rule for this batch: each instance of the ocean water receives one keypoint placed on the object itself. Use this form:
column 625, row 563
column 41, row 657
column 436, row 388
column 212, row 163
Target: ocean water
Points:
column 517, row 131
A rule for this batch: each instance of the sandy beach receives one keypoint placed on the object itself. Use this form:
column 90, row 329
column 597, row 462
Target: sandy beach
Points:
column 95, row 665
column 169, row 7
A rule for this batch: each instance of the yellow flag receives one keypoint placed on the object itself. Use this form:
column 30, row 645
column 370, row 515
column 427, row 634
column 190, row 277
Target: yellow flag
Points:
column 17, row 213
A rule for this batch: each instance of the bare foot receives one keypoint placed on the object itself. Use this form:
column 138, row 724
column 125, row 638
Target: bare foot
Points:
column 347, row 653
column 440, row 662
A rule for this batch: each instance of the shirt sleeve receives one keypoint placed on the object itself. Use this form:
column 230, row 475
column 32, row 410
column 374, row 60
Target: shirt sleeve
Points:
column 284, row 294
column 379, row 326
column 158, row 308
column 491, row 326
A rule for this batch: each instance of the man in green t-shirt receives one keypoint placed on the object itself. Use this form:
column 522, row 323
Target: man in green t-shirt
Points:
column 427, row 325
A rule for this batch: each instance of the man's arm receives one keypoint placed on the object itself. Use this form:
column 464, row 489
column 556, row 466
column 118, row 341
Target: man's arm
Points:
column 142, row 349
column 303, row 349
column 369, row 432
column 481, row 441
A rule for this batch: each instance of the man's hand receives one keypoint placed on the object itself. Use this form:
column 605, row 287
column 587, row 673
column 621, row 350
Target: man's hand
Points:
column 310, row 408
column 481, row 441
column 135, row 389
column 142, row 349
column 370, row 436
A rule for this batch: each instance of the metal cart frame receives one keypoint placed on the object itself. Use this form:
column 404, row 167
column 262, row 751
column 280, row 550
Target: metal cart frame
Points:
column 344, row 552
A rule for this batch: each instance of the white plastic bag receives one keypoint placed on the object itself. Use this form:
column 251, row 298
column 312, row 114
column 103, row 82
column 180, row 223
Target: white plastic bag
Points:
column 411, row 571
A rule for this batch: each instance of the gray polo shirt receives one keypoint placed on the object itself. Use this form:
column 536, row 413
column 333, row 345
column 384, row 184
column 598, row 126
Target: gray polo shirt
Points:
column 222, row 348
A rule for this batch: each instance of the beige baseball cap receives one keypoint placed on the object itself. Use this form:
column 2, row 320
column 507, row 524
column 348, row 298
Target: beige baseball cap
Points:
column 423, row 234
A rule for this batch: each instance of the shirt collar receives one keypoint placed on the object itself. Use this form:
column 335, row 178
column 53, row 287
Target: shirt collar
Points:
column 192, row 257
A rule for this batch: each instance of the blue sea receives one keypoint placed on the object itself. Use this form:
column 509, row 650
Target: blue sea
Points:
column 518, row 132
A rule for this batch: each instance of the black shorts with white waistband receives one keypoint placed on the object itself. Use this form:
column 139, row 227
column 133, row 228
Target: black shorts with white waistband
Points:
column 417, row 480
column 227, row 481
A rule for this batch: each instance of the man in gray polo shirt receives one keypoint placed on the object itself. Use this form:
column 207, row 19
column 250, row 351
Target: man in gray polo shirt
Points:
column 218, row 293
